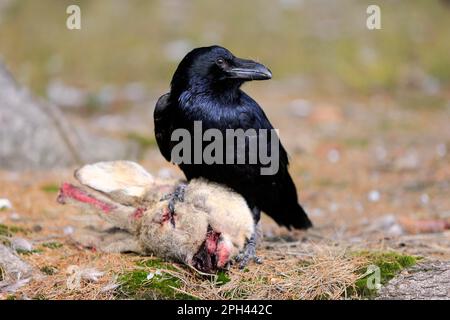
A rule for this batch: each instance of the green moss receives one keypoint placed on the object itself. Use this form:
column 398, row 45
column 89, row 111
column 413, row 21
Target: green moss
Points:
column 16, row 229
column 49, row 270
column 50, row 188
column 136, row 284
column 222, row 278
column 4, row 231
column 389, row 264
column 27, row 253
column 52, row 245
column 8, row 231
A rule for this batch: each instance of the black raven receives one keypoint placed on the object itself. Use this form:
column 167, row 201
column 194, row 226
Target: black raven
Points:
column 206, row 87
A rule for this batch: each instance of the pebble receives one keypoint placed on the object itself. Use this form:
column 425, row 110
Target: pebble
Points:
column 316, row 212
column 374, row 196
column 5, row 204
column 333, row 156
column 20, row 244
column 68, row 230
column 410, row 161
column 395, row 230
column 441, row 150
column 389, row 225
column 334, row 207
column 14, row 216
column 424, row 198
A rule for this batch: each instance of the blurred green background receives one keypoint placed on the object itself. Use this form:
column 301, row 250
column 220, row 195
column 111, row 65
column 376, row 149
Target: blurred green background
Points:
column 323, row 43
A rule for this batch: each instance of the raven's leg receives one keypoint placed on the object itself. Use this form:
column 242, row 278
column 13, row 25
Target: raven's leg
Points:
column 176, row 196
column 249, row 252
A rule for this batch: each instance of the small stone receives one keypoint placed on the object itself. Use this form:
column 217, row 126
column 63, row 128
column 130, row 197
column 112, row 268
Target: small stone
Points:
column 374, row 196
column 410, row 161
column 20, row 244
column 333, row 155
column 424, row 198
column 441, row 150
column 14, row 216
column 5, row 204
column 385, row 222
column 37, row 228
column 68, row 230
column 316, row 212
column 334, row 207
column 395, row 230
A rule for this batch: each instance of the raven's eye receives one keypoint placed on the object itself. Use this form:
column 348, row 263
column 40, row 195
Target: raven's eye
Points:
column 220, row 61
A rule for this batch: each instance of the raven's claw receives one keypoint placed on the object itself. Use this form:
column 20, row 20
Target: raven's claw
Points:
column 176, row 196
column 248, row 254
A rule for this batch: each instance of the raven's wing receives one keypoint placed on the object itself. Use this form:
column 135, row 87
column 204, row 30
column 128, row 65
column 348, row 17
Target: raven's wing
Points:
column 163, row 125
column 277, row 193
column 253, row 116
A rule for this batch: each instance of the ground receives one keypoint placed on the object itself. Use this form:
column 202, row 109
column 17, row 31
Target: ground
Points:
column 367, row 170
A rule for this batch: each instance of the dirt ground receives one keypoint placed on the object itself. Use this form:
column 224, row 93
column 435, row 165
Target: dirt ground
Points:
column 368, row 171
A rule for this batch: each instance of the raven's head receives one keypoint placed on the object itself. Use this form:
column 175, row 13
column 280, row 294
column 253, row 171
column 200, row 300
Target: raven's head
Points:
column 216, row 68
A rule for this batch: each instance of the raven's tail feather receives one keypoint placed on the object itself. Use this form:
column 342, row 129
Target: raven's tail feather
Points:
column 296, row 217
column 284, row 208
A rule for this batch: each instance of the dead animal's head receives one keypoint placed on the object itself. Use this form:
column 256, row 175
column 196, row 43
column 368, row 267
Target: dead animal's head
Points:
column 206, row 229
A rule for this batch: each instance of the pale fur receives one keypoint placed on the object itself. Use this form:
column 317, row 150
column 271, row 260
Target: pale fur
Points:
column 205, row 204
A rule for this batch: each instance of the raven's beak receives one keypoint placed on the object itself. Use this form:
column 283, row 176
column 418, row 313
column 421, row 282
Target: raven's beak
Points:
column 248, row 70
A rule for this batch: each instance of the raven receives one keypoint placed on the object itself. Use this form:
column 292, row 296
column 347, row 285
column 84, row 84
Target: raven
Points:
column 206, row 87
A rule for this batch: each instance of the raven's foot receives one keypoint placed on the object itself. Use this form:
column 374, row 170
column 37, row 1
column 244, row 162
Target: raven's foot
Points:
column 249, row 253
column 176, row 196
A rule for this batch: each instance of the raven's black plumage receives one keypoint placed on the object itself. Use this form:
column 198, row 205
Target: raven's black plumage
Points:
column 206, row 87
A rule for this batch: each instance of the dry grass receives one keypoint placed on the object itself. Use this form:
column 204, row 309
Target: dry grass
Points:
column 325, row 273
column 305, row 271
